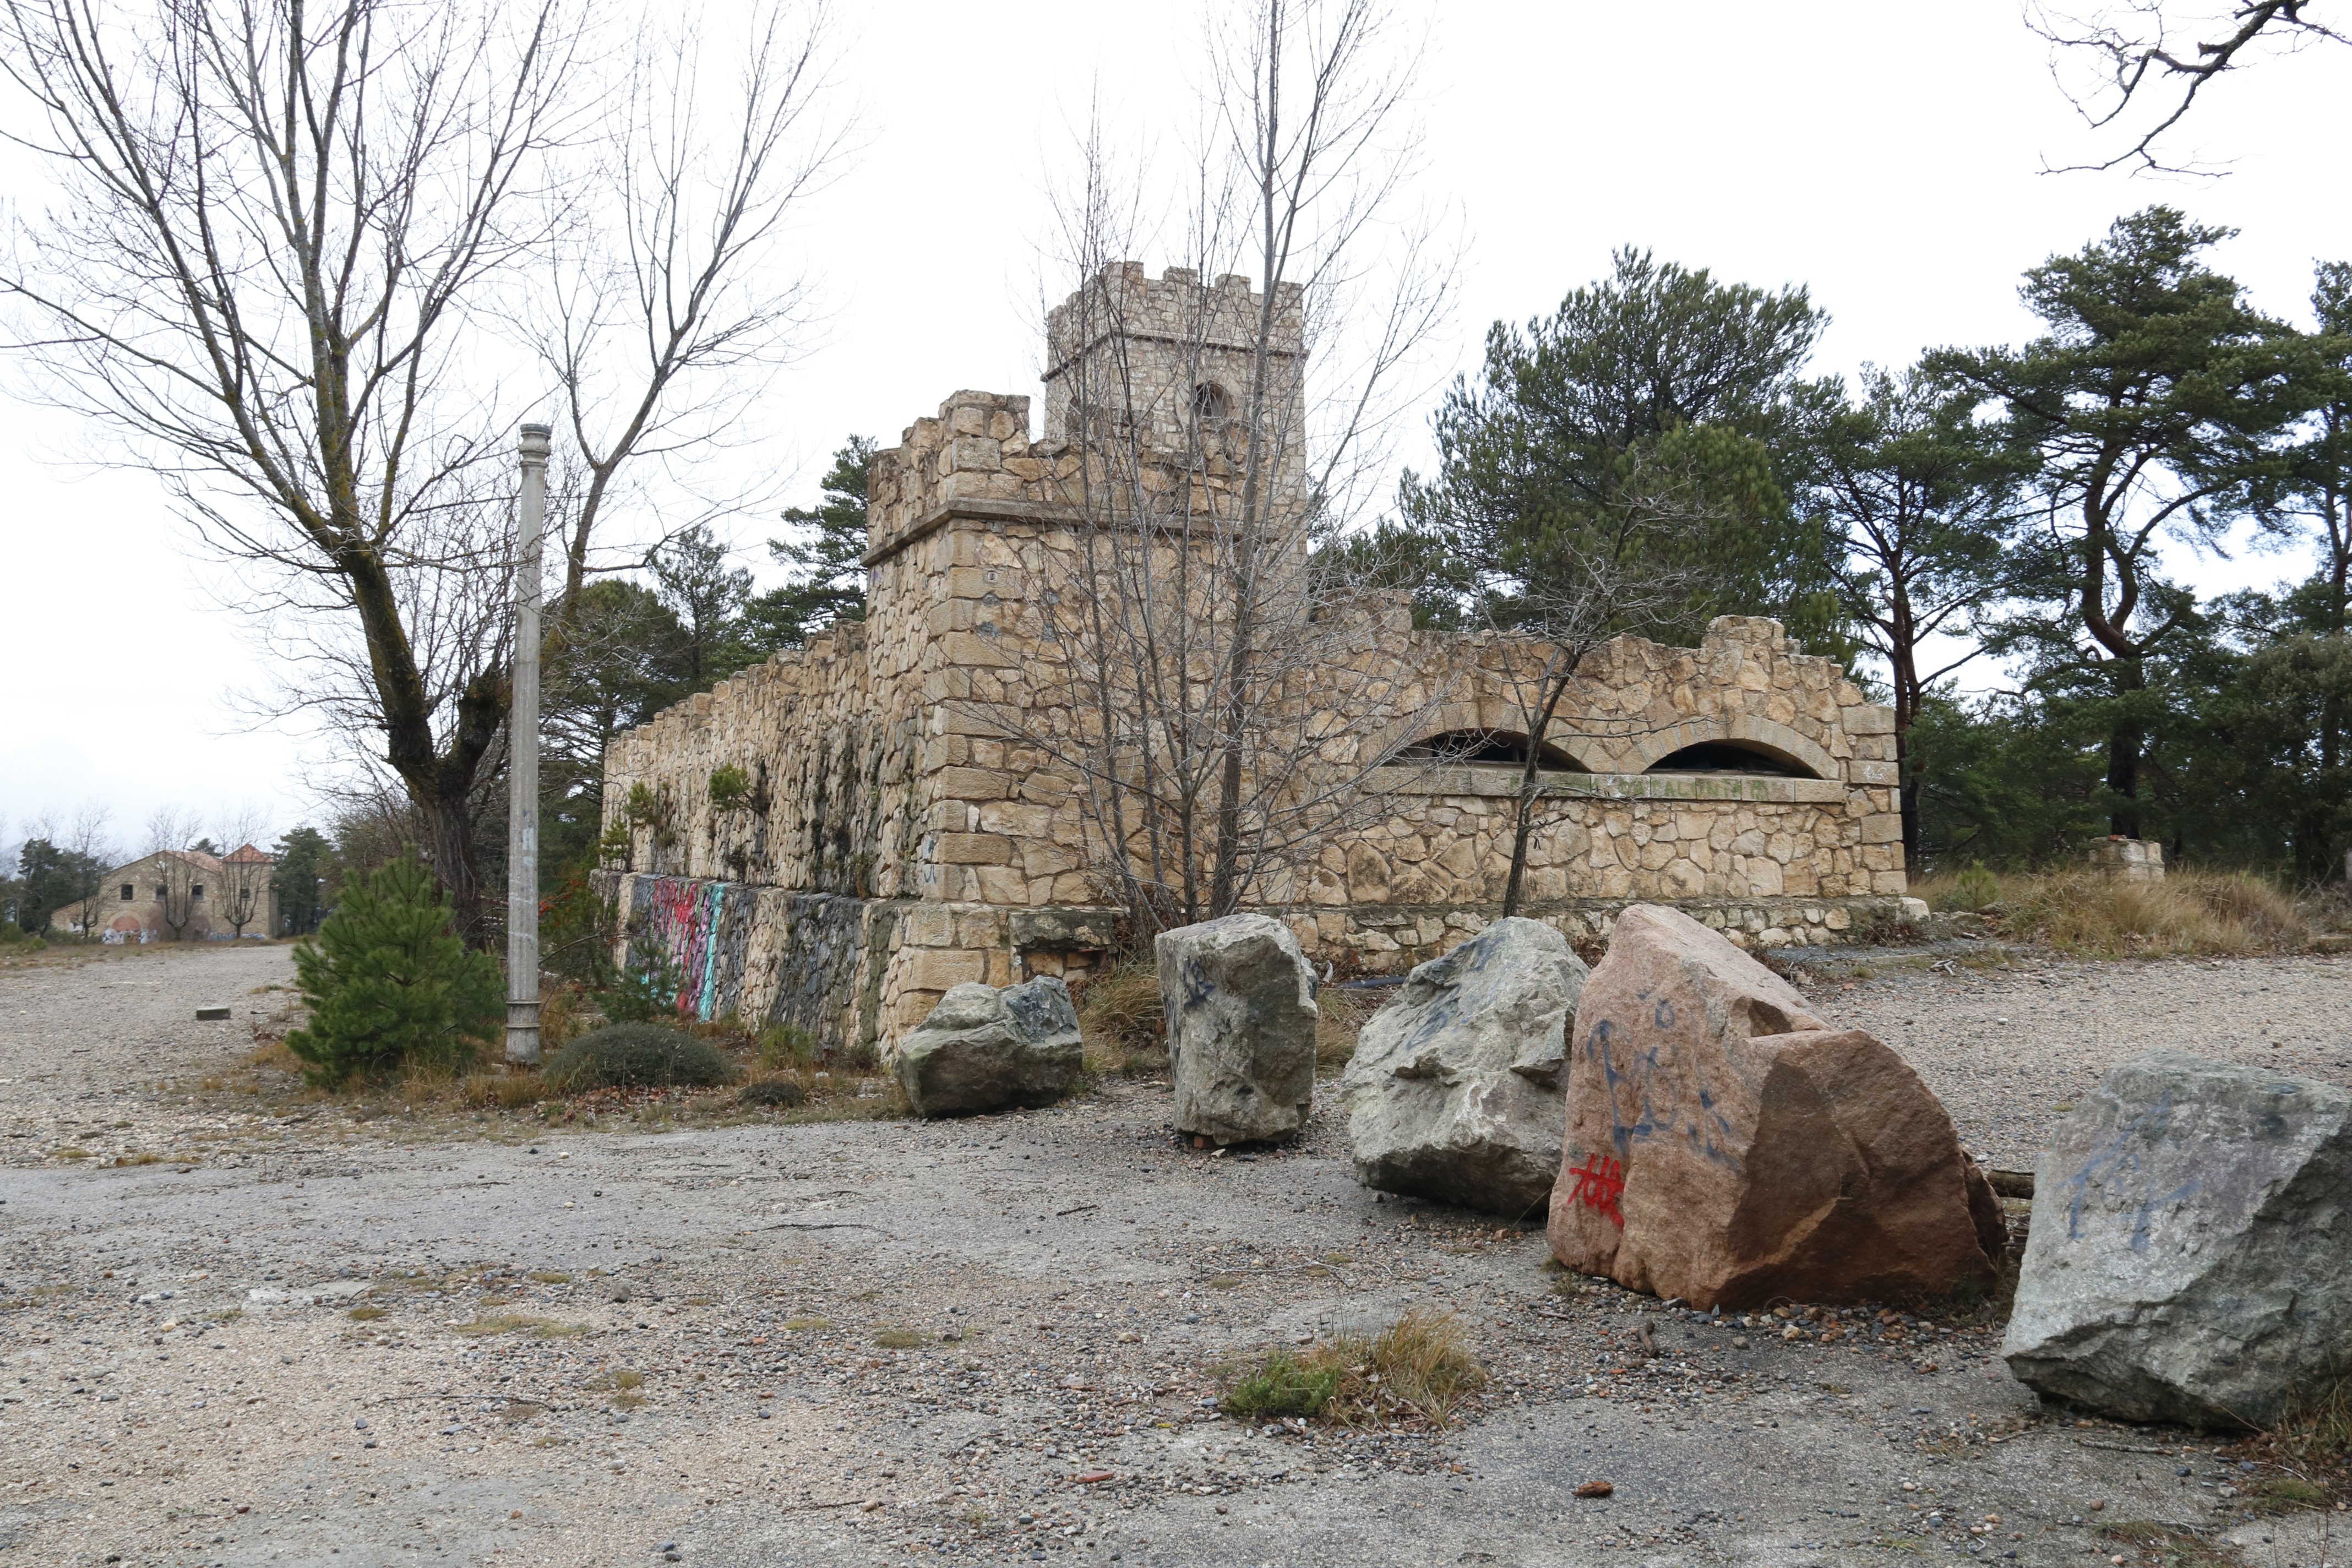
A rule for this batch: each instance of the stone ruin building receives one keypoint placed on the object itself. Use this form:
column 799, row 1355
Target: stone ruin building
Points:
column 878, row 837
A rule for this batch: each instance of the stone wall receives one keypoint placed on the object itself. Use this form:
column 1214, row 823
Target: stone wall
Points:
column 914, row 818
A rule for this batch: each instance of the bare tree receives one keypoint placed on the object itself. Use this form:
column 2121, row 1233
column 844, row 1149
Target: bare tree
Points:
column 91, row 852
column 1202, row 641
column 665, row 316
column 1551, row 601
column 243, row 896
column 178, row 874
column 2136, row 53
column 289, row 239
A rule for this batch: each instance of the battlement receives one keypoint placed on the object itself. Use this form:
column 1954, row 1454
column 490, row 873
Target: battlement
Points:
column 1183, row 354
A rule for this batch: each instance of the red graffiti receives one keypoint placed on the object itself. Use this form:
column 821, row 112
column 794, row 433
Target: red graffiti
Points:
column 1598, row 1183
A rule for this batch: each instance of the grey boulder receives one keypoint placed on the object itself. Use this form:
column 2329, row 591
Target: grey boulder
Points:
column 2186, row 1263
column 1240, row 1000
column 984, row 1049
column 1455, row 1091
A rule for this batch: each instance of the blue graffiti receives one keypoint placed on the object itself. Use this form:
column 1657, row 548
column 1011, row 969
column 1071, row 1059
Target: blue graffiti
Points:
column 2119, row 1162
column 1639, row 1109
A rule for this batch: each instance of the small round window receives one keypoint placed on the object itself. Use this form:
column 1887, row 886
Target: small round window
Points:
column 1210, row 402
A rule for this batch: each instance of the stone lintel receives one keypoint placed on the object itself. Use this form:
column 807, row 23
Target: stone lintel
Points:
column 1503, row 783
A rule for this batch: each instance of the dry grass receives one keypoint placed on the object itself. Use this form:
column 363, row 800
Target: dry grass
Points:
column 2088, row 913
column 537, row 1328
column 565, row 1012
column 2314, row 1445
column 1341, row 1016
column 1419, row 1369
column 1123, row 1023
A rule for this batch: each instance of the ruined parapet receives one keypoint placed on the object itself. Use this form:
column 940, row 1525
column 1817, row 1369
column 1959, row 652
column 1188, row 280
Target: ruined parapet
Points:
column 2133, row 859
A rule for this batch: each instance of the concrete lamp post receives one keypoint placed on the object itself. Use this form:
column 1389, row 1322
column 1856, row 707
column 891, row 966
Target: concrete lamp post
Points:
column 522, row 764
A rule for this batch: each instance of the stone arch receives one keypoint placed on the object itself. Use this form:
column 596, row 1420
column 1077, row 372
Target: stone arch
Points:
column 1454, row 718
column 1746, row 731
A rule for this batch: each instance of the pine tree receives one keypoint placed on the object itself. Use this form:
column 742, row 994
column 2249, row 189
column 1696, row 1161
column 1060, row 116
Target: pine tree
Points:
column 389, row 983
column 828, row 564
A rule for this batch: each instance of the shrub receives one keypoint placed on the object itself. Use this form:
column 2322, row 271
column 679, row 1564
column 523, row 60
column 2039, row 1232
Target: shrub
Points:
column 648, row 983
column 636, row 1056
column 777, row 1090
column 389, row 985
column 730, row 788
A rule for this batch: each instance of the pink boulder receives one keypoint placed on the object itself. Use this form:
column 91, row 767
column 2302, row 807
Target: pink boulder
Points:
column 1726, row 1146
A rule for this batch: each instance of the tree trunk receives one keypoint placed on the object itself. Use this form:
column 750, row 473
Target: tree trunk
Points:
column 2125, row 742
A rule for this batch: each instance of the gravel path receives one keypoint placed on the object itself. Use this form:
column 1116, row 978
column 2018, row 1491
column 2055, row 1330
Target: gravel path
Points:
column 988, row 1340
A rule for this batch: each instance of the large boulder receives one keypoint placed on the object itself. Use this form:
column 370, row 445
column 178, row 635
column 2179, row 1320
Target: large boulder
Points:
column 1726, row 1146
column 2192, row 1223
column 1454, row 1093
column 1240, row 999
column 984, row 1049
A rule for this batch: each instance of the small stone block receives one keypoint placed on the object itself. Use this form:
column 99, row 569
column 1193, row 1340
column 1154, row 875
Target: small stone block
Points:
column 212, row 1015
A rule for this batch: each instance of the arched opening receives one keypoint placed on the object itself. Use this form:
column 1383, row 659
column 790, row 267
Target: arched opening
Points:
column 1210, row 402
column 1731, row 757
column 1487, row 748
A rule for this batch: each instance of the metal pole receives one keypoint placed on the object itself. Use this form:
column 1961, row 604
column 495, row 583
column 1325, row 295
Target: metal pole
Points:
column 522, row 766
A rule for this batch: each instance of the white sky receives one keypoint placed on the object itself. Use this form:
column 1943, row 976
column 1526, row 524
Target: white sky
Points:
column 1885, row 155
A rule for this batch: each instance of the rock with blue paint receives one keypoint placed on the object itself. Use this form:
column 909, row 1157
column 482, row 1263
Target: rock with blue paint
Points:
column 983, row 1049
column 1726, row 1146
column 1454, row 1093
column 1240, row 1001
column 2192, row 1252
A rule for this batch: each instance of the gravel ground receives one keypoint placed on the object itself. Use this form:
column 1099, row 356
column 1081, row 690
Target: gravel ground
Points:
column 299, row 1339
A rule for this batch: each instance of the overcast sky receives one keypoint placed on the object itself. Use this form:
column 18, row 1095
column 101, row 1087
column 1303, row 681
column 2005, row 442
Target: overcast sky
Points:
column 1886, row 156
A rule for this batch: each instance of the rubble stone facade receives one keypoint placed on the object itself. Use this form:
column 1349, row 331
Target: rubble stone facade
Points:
column 894, row 840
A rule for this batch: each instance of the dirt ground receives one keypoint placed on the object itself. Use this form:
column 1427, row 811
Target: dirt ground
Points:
column 243, row 1331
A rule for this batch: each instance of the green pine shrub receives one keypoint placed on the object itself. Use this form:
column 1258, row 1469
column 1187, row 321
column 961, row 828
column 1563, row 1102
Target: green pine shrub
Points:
column 636, row 1056
column 648, row 983
column 389, row 985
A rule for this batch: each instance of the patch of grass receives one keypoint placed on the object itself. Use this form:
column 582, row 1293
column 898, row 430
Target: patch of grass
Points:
column 1122, row 1022
column 630, row 1056
column 2089, row 912
column 367, row 1314
column 2315, row 1442
column 1224, row 1281
column 1340, row 1016
column 628, row 1401
column 806, row 1325
column 69, row 1152
column 1419, row 1368
column 2166, row 1545
column 900, row 1339
column 549, row 1277
column 137, row 1157
column 781, row 1045
column 773, row 1090
column 500, row 1090
column 505, row 1323
column 1283, row 1384
column 2280, row 1493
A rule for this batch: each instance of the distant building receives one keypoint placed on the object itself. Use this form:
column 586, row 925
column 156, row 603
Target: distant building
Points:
column 183, row 895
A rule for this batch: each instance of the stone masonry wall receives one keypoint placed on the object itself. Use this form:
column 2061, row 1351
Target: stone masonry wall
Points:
column 907, row 829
